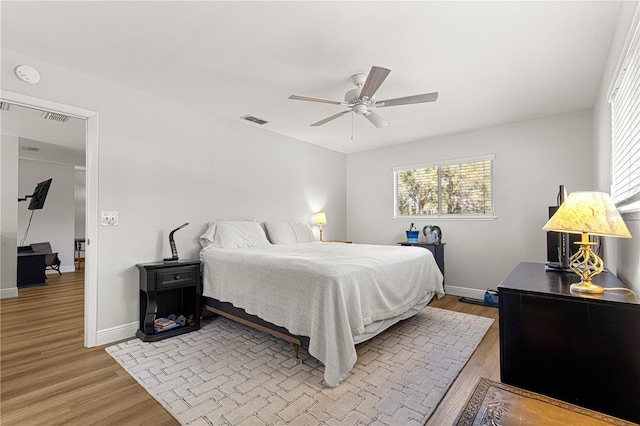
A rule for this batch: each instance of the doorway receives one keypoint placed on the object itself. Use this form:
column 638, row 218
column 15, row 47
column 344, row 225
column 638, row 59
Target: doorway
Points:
column 90, row 119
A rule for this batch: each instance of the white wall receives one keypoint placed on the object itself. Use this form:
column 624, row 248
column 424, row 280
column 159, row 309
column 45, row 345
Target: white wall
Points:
column 8, row 215
column 80, row 200
column 622, row 256
column 162, row 163
column 55, row 221
column 532, row 159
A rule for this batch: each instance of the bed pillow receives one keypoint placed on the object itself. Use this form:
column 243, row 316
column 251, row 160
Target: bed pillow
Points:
column 234, row 234
column 289, row 232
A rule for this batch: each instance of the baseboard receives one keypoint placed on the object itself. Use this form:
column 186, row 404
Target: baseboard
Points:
column 120, row 332
column 472, row 293
column 7, row 293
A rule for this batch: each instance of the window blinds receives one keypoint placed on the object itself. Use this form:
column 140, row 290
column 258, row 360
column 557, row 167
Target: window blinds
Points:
column 451, row 188
column 625, row 126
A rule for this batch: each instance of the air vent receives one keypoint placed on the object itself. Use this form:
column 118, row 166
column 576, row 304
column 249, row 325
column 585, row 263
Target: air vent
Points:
column 55, row 117
column 30, row 148
column 4, row 106
column 254, row 119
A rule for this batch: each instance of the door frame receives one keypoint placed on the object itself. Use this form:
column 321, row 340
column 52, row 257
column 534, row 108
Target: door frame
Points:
column 91, row 204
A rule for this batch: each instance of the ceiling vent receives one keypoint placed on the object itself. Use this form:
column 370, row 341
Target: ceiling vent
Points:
column 30, row 148
column 4, row 106
column 55, row 117
column 254, row 119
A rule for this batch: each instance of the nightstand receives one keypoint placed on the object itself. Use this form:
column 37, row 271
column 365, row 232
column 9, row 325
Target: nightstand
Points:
column 577, row 347
column 168, row 288
column 436, row 249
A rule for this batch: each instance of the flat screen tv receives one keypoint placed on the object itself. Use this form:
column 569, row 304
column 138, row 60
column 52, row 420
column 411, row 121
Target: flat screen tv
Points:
column 40, row 195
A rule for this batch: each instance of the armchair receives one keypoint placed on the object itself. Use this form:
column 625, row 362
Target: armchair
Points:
column 51, row 259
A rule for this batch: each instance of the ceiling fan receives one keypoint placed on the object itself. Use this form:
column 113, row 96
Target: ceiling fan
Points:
column 362, row 99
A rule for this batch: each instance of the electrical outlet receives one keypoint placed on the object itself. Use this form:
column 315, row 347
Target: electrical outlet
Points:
column 109, row 219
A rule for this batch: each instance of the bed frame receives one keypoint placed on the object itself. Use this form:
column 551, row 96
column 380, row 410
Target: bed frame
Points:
column 227, row 310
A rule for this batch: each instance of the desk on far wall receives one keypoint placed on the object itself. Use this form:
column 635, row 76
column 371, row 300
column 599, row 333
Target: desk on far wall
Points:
column 580, row 348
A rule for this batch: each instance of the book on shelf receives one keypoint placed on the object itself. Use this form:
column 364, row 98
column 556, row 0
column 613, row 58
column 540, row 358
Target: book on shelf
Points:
column 163, row 322
column 168, row 327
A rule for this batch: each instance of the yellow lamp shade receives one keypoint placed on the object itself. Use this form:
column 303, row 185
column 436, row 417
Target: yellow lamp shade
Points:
column 590, row 212
column 321, row 218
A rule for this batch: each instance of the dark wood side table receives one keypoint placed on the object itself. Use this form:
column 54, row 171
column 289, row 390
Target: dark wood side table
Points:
column 436, row 249
column 31, row 269
column 165, row 289
column 583, row 349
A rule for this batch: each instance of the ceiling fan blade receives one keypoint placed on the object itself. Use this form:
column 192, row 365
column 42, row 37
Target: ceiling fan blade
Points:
column 415, row 99
column 328, row 119
column 376, row 76
column 306, row 98
column 376, row 120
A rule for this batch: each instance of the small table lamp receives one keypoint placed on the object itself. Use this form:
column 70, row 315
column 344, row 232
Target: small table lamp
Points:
column 321, row 219
column 587, row 213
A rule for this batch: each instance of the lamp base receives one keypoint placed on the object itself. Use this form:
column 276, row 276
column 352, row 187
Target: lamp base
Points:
column 586, row 287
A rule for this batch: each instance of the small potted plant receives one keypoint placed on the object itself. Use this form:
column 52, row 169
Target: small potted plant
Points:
column 412, row 234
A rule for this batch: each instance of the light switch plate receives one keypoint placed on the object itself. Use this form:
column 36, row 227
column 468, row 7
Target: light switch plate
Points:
column 109, row 219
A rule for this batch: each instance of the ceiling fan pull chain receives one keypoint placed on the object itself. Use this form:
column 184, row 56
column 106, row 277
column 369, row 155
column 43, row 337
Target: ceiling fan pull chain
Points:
column 352, row 125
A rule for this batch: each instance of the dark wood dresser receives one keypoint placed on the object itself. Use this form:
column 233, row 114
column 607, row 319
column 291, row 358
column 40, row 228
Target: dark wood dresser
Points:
column 583, row 349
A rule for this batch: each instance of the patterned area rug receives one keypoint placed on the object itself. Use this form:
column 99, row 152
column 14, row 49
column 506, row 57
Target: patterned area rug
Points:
column 229, row 374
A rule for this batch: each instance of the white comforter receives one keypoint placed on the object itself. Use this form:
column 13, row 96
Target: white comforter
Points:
column 327, row 291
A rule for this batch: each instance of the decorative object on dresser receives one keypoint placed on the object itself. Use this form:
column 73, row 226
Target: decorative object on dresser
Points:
column 580, row 348
column 588, row 213
column 170, row 302
column 321, row 219
column 433, row 234
column 412, row 234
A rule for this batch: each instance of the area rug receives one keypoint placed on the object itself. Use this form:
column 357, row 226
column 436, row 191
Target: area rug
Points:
column 497, row 404
column 229, row 374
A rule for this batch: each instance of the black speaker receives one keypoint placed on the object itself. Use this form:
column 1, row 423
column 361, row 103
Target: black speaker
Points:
column 554, row 243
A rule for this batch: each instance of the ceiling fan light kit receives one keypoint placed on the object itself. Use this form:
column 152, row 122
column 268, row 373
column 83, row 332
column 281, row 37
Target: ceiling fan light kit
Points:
column 361, row 99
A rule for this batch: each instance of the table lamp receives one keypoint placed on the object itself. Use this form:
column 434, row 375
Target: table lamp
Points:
column 321, row 219
column 587, row 213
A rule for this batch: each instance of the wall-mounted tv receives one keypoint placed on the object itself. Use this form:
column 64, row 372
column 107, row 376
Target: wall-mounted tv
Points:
column 39, row 195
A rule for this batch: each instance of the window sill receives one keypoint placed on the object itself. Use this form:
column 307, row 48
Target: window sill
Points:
column 444, row 217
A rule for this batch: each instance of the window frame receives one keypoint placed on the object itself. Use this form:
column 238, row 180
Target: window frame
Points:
column 439, row 164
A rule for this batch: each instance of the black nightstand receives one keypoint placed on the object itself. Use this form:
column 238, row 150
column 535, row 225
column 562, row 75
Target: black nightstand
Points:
column 436, row 249
column 168, row 288
column 577, row 347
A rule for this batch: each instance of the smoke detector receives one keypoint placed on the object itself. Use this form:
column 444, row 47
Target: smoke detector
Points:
column 27, row 74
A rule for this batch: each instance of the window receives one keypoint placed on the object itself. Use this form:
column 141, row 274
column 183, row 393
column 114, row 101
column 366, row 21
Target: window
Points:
column 625, row 127
column 461, row 187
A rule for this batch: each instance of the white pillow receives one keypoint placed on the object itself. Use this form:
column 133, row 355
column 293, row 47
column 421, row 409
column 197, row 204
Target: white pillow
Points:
column 234, row 234
column 289, row 232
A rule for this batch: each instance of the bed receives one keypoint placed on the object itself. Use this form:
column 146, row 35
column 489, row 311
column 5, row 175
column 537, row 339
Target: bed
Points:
column 327, row 296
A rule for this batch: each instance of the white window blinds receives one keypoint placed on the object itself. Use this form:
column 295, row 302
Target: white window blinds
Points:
column 458, row 187
column 625, row 124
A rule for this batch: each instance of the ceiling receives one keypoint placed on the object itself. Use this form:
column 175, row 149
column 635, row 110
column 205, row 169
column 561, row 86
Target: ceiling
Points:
column 491, row 62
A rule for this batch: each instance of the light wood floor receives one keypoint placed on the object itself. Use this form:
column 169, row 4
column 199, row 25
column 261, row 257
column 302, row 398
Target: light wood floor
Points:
column 47, row 377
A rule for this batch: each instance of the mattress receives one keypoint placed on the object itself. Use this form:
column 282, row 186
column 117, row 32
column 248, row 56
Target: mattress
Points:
column 336, row 294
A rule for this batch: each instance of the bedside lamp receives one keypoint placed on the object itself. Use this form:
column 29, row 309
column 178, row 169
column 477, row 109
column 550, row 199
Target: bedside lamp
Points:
column 321, row 219
column 587, row 213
